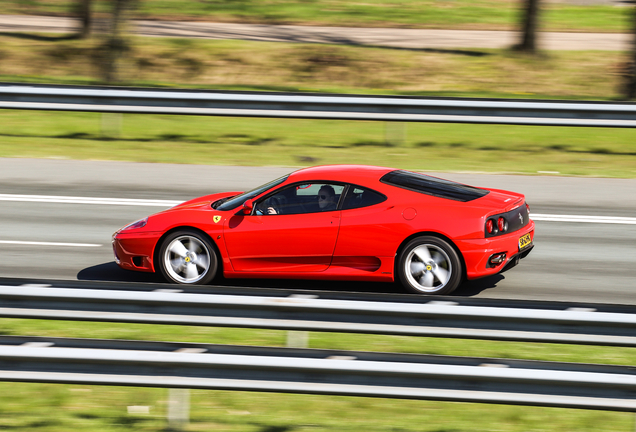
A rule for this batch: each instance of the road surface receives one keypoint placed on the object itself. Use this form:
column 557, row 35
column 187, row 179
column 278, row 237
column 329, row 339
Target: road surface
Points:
column 573, row 261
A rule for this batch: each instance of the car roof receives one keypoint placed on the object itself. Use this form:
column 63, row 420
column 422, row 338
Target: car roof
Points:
column 341, row 173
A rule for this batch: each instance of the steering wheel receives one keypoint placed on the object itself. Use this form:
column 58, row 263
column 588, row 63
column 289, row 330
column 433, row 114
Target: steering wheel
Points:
column 275, row 203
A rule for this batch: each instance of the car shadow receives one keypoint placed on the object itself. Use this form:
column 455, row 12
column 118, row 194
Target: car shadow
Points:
column 317, row 285
column 111, row 272
column 472, row 288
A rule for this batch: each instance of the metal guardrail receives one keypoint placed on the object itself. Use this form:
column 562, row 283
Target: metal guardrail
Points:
column 410, row 376
column 312, row 106
column 432, row 318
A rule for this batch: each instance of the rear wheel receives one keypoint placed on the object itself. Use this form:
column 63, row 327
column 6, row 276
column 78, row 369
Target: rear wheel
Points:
column 429, row 265
column 188, row 257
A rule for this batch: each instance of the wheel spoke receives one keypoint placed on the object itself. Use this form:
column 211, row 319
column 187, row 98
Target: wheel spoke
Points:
column 202, row 261
column 191, row 271
column 177, row 264
column 423, row 253
column 427, row 280
column 194, row 246
column 442, row 274
column 438, row 258
column 178, row 248
column 417, row 268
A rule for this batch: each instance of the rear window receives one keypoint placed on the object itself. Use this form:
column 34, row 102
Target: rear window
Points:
column 433, row 186
column 359, row 197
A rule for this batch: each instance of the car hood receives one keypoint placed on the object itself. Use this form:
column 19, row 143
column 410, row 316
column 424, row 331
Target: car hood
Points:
column 204, row 201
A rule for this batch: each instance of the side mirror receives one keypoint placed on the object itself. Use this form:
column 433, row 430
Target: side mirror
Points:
column 248, row 206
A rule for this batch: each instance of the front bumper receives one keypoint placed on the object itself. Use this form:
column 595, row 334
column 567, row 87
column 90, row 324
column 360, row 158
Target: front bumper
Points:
column 477, row 252
column 135, row 251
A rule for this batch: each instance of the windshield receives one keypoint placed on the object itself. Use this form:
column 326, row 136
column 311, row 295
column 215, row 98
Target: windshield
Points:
column 238, row 200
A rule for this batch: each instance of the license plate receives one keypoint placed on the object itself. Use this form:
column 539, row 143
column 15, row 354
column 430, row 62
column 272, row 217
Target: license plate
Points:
column 525, row 241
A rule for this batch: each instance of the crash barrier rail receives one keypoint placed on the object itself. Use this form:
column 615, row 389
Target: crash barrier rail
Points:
column 432, row 318
column 350, row 373
column 317, row 106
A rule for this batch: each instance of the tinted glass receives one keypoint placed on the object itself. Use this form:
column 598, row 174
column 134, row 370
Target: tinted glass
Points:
column 433, row 186
column 238, row 200
column 301, row 198
column 361, row 197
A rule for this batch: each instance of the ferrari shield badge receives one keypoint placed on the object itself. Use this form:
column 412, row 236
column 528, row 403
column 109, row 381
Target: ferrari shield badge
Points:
column 216, row 219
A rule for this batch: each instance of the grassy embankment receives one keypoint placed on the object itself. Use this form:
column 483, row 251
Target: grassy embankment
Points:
column 299, row 67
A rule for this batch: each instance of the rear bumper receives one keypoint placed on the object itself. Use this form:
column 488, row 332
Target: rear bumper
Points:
column 477, row 252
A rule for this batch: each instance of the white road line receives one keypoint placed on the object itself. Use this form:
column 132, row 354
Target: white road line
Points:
column 168, row 203
column 88, row 200
column 583, row 219
column 32, row 243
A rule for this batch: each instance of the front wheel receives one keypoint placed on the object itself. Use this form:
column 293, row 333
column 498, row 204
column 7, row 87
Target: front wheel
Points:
column 429, row 265
column 187, row 257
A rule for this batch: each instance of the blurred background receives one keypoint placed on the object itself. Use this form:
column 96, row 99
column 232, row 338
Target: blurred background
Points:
column 518, row 49
column 578, row 50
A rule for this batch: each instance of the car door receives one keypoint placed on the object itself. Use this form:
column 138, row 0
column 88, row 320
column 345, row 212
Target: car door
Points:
column 300, row 237
column 366, row 230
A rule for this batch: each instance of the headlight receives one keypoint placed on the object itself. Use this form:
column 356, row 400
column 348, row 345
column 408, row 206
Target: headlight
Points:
column 137, row 224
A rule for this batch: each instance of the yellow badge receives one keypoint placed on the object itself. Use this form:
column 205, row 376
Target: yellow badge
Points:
column 216, row 219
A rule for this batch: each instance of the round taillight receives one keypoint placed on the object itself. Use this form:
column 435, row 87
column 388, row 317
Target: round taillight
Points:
column 490, row 226
column 501, row 224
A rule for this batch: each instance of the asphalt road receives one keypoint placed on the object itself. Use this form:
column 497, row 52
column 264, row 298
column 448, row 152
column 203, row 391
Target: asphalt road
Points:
column 420, row 39
column 588, row 262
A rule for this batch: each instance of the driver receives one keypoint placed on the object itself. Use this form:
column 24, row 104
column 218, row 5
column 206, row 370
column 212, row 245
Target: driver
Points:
column 327, row 198
column 270, row 209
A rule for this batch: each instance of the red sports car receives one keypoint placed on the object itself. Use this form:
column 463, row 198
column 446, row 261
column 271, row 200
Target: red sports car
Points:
column 339, row 222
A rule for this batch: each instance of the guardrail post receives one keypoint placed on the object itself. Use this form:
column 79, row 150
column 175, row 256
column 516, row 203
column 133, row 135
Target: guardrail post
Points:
column 297, row 339
column 111, row 125
column 178, row 408
column 394, row 133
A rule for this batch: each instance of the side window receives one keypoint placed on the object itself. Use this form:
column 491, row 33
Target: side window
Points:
column 303, row 198
column 358, row 197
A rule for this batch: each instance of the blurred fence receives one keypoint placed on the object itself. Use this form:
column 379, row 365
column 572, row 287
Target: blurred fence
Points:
column 431, row 318
column 334, row 372
column 318, row 106
column 350, row 373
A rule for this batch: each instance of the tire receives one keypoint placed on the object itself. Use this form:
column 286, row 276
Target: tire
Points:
column 188, row 257
column 429, row 265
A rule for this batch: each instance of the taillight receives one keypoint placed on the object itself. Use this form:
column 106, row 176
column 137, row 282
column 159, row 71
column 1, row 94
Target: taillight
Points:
column 528, row 209
column 501, row 224
column 490, row 226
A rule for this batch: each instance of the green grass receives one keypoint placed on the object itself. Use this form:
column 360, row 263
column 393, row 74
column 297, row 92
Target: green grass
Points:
column 458, row 14
column 345, row 341
column 599, row 152
column 54, row 407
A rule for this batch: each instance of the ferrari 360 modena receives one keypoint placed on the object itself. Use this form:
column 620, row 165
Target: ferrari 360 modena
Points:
column 337, row 222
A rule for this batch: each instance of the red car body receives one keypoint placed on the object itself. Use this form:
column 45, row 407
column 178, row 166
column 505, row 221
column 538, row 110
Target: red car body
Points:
column 354, row 241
